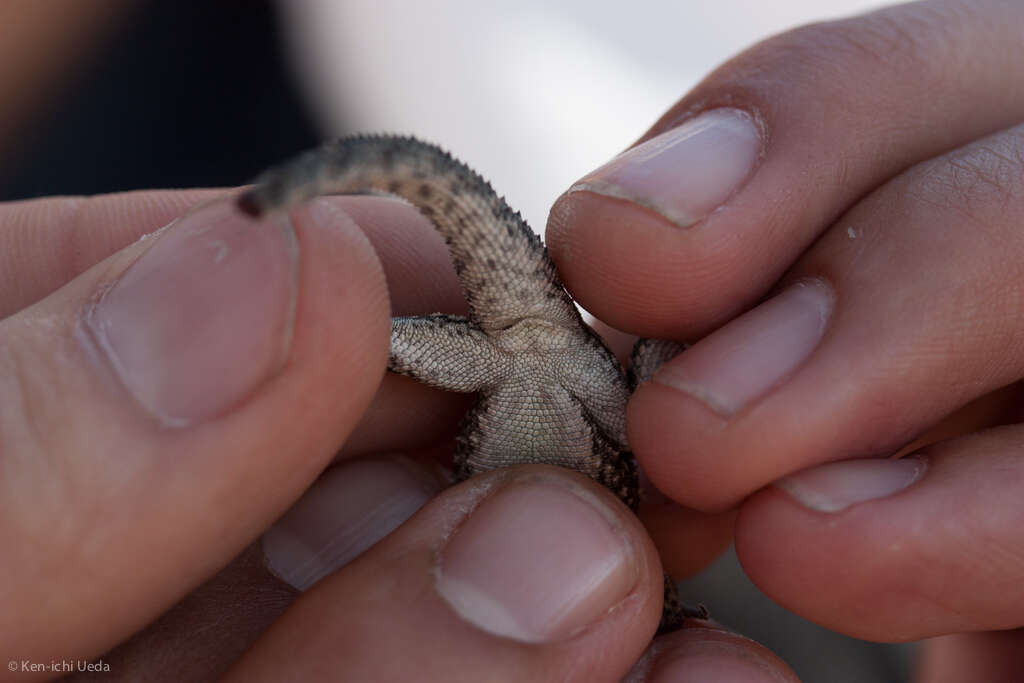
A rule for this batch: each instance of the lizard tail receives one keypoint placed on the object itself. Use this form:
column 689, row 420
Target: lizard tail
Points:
column 502, row 264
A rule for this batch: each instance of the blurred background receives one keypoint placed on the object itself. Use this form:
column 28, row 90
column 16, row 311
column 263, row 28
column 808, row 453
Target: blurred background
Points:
column 109, row 95
column 112, row 95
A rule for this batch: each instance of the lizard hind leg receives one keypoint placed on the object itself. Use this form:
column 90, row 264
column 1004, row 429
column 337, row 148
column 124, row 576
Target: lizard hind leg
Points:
column 467, row 442
column 618, row 473
column 674, row 611
column 647, row 356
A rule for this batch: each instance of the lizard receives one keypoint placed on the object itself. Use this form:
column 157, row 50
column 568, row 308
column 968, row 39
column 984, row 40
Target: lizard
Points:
column 549, row 390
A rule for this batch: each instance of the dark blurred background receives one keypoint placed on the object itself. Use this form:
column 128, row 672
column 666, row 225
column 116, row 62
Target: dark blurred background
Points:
column 158, row 95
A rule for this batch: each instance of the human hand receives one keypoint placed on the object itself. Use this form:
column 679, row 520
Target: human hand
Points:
column 165, row 400
column 836, row 211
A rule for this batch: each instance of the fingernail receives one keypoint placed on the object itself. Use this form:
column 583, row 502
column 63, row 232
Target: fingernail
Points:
column 738, row 363
column 687, row 172
column 204, row 316
column 838, row 485
column 347, row 510
column 537, row 561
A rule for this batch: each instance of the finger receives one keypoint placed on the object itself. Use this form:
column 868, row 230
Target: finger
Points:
column 687, row 540
column 203, row 634
column 168, row 404
column 896, row 550
column 45, row 243
column 770, row 149
column 705, row 653
column 858, row 354
column 534, row 573
column 418, row 267
column 970, row 657
column 406, row 415
column 348, row 509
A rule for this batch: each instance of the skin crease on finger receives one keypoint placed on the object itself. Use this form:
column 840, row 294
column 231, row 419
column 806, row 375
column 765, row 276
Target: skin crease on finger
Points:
column 80, row 232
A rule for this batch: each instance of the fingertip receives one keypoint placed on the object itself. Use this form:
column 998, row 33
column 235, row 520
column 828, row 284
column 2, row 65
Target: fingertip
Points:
column 700, row 653
column 97, row 412
column 687, row 171
column 531, row 573
column 909, row 553
column 420, row 275
column 350, row 507
column 348, row 307
column 583, row 561
column 202, row 316
column 676, row 440
column 635, row 270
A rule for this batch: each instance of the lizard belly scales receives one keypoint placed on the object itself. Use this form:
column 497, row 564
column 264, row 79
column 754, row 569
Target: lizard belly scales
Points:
column 549, row 390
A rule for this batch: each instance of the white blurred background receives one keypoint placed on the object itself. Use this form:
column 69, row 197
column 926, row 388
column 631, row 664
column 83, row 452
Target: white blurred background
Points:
column 532, row 94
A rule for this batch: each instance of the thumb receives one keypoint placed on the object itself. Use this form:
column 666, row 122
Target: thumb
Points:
column 533, row 573
column 165, row 406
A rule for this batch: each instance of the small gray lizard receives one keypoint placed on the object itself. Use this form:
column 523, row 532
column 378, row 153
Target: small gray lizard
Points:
column 549, row 390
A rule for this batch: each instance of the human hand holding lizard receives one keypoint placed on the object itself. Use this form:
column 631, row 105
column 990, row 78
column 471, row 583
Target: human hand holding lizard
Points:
column 836, row 215
column 847, row 261
column 167, row 399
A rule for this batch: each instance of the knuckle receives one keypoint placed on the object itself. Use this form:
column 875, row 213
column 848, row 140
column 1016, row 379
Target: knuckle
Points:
column 889, row 39
column 906, row 43
column 42, row 440
column 41, row 389
column 870, row 40
column 983, row 181
column 970, row 201
column 26, row 395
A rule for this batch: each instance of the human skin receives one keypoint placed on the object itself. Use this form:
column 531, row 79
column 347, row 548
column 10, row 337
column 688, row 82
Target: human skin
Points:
column 883, row 174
